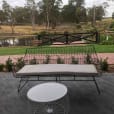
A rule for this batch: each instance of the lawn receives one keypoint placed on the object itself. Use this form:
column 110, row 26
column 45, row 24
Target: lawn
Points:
column 104, row 48
column 12, row 50
column 21, row 50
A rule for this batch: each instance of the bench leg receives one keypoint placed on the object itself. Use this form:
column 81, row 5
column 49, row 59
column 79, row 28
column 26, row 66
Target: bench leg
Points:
column 21, row 86
column 96, row 85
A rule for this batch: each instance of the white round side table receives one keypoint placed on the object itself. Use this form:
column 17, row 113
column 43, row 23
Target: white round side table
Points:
column 48, row 93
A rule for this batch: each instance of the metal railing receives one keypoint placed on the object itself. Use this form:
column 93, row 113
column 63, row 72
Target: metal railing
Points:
column 68, row 38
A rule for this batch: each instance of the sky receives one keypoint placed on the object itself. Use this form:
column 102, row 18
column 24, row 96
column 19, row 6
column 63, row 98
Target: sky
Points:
column 88, row 3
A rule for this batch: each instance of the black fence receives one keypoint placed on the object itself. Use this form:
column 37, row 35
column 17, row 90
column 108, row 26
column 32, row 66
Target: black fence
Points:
column 49, row 39
column 68, row 38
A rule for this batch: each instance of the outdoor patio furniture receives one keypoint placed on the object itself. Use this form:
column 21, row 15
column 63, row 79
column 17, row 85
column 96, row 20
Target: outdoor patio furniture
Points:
column 35, row 72
column 80, row 61
column 47, row 95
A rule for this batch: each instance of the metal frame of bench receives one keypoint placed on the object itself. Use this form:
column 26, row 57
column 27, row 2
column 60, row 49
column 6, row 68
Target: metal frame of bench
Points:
column 40, row 55
column 79, row 52
column 27, row 74
column 57, row 79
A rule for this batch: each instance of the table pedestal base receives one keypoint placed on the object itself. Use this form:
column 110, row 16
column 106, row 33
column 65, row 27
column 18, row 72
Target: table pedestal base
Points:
column 57, row 107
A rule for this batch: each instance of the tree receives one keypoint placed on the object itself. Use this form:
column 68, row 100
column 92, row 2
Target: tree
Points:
column 74, row 11
column 83, row 14
column 113, row 15
column 78, row 9
column 55, row 13
column 99, row 13
column 32, row 5
column 6, row 9
column 96, row 12
column 22, row 15
column 2, row 17
column 78, row 3
column 68, row 13
column 9, row 15
column 50, row 10
column 90, row 15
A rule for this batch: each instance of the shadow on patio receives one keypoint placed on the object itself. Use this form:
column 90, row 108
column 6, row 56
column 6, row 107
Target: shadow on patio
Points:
column 83, row 96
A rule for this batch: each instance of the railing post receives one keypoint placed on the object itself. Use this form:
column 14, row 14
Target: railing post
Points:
column 66, row 37
column 97, row 37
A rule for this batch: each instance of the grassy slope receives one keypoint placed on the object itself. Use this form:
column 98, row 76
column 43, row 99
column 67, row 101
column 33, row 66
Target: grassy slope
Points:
column 72, row 27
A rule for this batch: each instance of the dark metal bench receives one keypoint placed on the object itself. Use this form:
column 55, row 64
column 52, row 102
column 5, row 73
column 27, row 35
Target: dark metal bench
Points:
column 72, row 56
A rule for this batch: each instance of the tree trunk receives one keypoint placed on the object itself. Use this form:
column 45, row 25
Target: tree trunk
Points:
column 48, row 23
column 94, row 16
column 33, row 20
column 12, row 28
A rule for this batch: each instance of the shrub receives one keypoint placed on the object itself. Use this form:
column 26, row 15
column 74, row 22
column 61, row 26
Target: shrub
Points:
column 47, row 60
column 78, row 26
column 60, row 61
column 74, row 61
column 9, row 64
column 33, row 61
column 107, row 39
column 1, row 67
column 111, row 25
column 41, row 35
column 107, row 42
column 20, row 63
column 104, row 64
column 88, row 59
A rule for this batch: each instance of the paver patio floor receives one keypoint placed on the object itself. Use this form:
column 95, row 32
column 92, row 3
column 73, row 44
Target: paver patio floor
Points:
column 83, row 96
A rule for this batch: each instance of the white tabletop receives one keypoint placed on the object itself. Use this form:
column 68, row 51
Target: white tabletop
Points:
column 47, row 92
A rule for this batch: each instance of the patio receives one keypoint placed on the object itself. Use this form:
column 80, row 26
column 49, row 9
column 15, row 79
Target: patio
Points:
column 83, row 96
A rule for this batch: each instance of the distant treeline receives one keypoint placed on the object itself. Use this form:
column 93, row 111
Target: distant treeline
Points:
column 49, row 13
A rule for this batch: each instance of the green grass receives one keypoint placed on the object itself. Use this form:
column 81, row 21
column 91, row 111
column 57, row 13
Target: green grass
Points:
column 104, row 48
column 12, row 50
column 57, row 50
column 21, row 50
